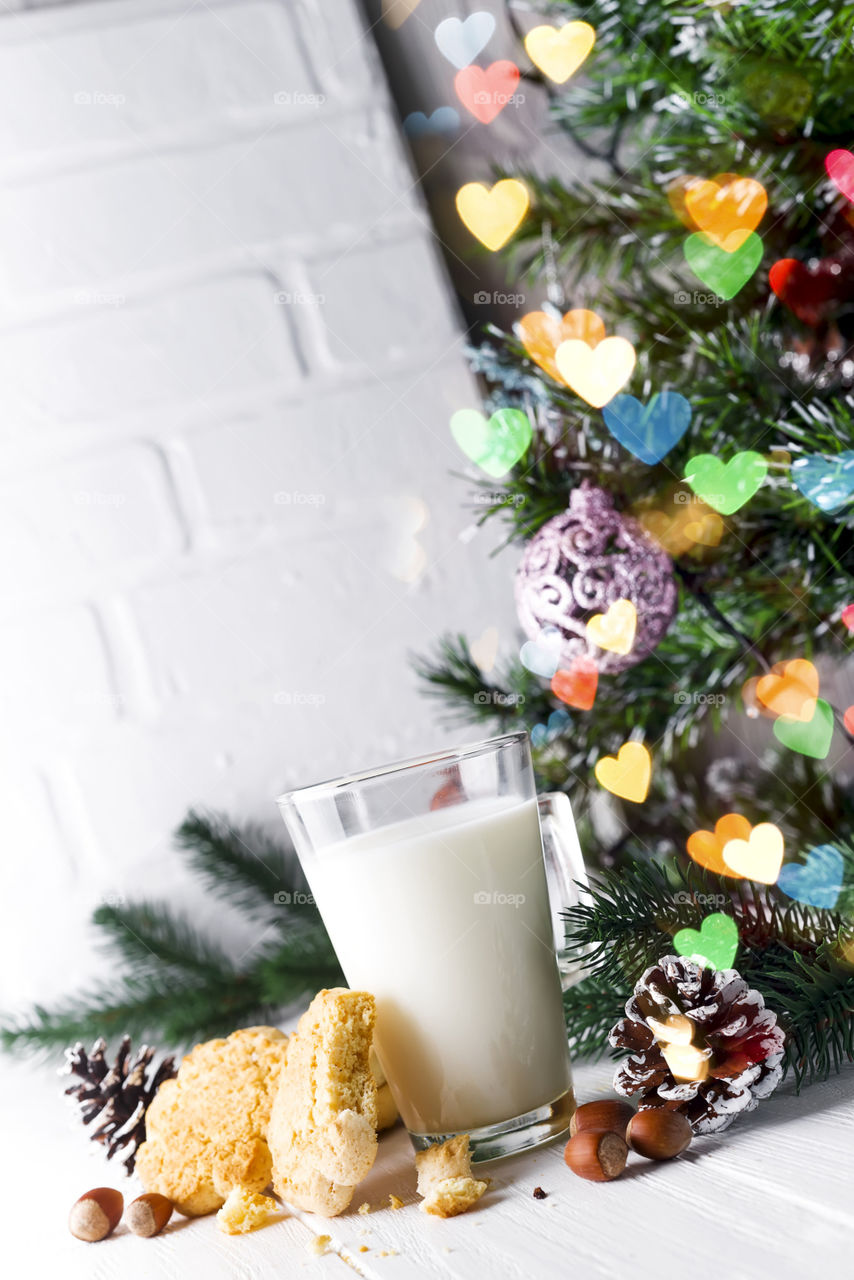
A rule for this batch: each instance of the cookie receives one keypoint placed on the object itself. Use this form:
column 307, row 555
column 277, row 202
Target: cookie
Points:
column 323, row 1128
column 444, row 1178
column 205, row 1129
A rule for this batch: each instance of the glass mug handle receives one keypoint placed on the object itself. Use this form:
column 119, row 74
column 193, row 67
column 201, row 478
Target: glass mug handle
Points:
column 566, row 874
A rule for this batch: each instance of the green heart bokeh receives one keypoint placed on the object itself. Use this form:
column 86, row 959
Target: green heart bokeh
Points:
column 724, row 272
column 714, row 944
column 726, row 486
column 809, row 737
column 495, row 444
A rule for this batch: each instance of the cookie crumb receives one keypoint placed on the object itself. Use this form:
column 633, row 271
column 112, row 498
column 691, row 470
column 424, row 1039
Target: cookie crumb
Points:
column 395, row 1202
column 320, row 1245
column 244, row 1211
column 364, row 1207
column 387, row 1253
column 539, row 1194
column 363, row 1248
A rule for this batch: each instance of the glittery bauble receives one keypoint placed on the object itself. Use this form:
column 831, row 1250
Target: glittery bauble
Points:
column 581, row 562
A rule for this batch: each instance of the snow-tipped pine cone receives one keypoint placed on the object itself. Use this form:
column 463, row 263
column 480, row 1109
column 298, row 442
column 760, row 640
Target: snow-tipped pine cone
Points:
column 730, row 1019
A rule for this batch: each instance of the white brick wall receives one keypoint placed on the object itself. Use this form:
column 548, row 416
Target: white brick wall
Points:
column 227, row 362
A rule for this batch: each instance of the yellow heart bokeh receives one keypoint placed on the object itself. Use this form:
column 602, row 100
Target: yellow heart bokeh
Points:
column 542, row 334
column 560, row 51
column 706, row 531
column 677, row 1029
column 706, row 847
column 726, row 208
column 790, row 689
column 492, row 214
column 615, row 629
column 760, row 856
column 626, row 774
column 595, row 373
column 395, row 12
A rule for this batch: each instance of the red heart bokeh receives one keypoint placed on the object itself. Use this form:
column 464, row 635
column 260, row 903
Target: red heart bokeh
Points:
column 840, row 170
column 810, row 292
column 577, row 684
column 486, row 92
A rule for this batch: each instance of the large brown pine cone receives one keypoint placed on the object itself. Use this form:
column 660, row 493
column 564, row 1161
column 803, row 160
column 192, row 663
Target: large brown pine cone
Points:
column 730, row 1019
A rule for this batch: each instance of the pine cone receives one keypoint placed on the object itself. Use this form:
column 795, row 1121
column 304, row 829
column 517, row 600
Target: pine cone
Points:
column 117, row 1095
column 730, row 1020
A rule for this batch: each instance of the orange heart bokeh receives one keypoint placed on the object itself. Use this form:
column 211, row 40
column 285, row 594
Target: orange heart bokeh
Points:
column 542, row 334
column 707, row 847
column 577, row 684
column 790, row 689
column 726, row 208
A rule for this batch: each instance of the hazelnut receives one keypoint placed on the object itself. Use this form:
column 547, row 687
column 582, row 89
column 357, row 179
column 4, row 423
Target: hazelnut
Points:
column 609, row 1114
column 598, row 1156
column 659, row 1134
column 95, row 1214
column 147, row 1215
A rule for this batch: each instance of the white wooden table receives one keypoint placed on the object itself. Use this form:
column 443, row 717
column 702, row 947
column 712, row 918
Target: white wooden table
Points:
column 773, row 1198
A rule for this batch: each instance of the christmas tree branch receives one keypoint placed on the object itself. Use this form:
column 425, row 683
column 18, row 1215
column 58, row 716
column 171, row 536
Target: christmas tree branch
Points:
column 148, row 936
column 181, row 985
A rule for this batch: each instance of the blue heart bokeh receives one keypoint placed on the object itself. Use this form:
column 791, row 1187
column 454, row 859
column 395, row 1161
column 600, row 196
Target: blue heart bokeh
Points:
column 827, row 482
column 444, row 120
column 649, row 431
column 818, row 881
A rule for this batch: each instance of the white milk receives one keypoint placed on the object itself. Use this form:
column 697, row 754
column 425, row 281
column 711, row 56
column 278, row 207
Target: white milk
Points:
column 445, row 918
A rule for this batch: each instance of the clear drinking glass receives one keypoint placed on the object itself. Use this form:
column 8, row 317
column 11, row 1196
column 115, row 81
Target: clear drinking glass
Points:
column 430, row 879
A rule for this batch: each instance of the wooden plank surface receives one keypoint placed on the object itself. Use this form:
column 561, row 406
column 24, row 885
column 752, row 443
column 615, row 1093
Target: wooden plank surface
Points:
column 771, row 1198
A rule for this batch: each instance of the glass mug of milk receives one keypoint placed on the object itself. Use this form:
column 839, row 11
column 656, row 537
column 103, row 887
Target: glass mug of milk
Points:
column 430, row 879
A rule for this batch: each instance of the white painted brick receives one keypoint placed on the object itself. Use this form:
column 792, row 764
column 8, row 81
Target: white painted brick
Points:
column 218, row 646
column 57, row 683
column 134, row 76
column 372, row 316
column 342, row 49
column 89, row 521
column 219, row 339
column 156, row 213
column 266, row 476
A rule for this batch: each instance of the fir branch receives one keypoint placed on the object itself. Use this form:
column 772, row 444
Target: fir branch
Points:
column 149, row 937
column 240, row 864
column 591, row 1008
column 181, row 985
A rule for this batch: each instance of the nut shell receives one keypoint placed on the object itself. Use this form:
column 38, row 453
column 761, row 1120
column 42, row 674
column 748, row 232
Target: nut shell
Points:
column 606, row 1114
column 598, row 1156
column 659, row 1134
column 148, row 1214
column 96, row 1214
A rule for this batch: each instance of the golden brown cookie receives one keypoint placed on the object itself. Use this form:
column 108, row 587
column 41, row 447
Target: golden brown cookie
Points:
column 323, row 1128
column 205, row 1129
column 444, row 1178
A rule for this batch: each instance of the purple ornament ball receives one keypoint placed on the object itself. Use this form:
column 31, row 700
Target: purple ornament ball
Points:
column 582, row 561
